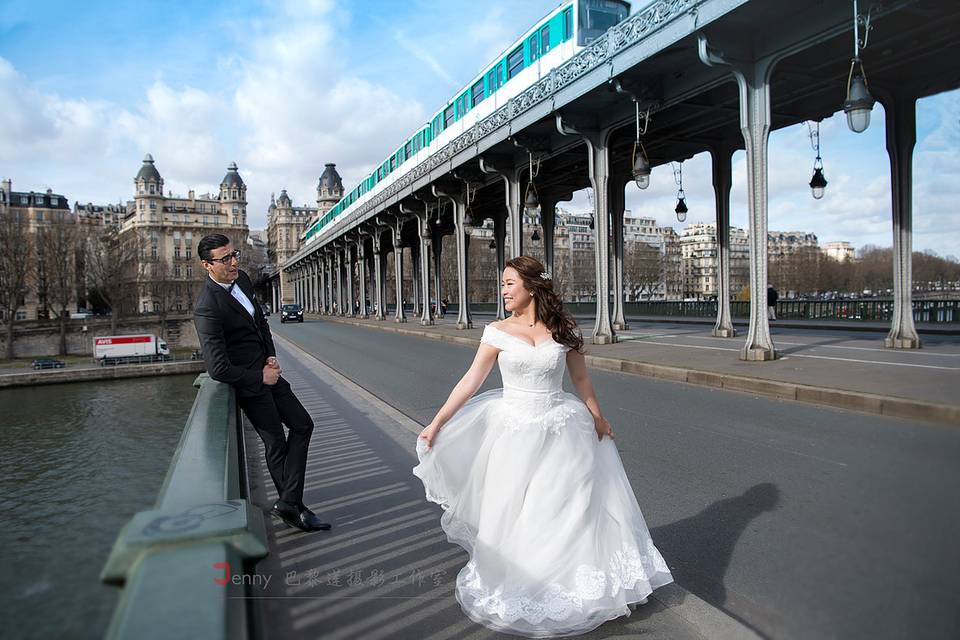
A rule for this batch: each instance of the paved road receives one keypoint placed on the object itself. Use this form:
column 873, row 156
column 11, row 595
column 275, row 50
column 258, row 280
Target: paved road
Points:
column 799, row 520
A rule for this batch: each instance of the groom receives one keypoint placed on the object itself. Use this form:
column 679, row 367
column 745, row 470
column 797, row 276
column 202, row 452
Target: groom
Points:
column 238, row 349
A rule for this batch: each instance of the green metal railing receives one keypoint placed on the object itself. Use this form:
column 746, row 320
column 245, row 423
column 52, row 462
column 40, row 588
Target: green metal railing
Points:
column 181, row 562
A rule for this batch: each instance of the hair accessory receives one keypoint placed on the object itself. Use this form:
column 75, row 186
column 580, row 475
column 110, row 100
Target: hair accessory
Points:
column 545, row 275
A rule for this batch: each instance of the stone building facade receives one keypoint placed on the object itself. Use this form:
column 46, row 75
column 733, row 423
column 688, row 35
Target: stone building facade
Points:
column 166, row 230
column 287, row 223
column 40, row 215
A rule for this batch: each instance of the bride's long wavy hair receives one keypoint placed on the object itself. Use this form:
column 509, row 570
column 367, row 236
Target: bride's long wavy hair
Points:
column 550, row 310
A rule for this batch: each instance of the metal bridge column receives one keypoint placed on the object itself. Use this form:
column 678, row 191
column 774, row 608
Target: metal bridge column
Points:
column 436, row 245
column 362, row 276
column 548, row 218
column 421, row 260
column 500, row 236
column 722, row 181
column 464, row 320
column 339, row 279
column 377, row 299
column 901, row 123
column 398, row 268
column 753, row 79
column 617, row 206
column 348, row 264
column 598, row 156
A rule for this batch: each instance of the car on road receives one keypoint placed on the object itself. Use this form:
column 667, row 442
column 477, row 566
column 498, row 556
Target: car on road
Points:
column 291, row 312
column 48, row 363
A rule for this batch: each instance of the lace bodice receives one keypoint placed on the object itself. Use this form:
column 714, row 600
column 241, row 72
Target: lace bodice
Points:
column 525, row 367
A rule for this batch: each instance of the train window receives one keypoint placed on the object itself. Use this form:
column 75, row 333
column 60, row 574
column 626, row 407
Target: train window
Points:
column 408, row 150
column 448, row 116
column 567, row 23
column 492, row 80
column 545, row 39
column 476, row 92
column 514, row 62
column 534, row 45
column 393, row 162
column 596, row 16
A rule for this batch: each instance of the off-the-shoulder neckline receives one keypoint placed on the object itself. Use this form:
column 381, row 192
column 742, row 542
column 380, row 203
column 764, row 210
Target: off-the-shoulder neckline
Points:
column 532, row 346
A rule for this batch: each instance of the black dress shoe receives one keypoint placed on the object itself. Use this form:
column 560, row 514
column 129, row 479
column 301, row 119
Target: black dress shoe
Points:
column 298, row 516
column 287, row 512
column 312, row 521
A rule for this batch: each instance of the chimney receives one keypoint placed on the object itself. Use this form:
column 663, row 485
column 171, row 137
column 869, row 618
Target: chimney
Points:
column 190, row 194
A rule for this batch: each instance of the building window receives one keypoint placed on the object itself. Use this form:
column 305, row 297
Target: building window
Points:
column 176, row 253
column 39, row 216
column 24, row 200
column 177, row 271
column 153, row 204
column 514, row 62
column 189, row 252
column 54, row 201
column 152, row 188
column 189, row 271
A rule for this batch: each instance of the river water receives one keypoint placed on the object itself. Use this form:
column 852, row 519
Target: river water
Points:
column 76, row 462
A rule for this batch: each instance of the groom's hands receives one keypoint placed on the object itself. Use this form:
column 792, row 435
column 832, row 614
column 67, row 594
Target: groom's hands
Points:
column 271, row 371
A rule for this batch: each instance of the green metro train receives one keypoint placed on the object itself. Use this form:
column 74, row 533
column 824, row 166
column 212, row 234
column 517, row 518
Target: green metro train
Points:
column 551, row 41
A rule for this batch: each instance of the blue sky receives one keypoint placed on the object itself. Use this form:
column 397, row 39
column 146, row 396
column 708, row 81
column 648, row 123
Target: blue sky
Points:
column 283, row 87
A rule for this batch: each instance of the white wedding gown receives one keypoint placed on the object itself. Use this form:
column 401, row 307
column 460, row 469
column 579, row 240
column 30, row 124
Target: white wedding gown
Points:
column 556, row 539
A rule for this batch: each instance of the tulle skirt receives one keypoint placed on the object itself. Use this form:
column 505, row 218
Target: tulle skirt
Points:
column 556, row 539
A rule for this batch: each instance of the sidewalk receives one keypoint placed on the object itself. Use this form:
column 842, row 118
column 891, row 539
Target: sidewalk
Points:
column 894, row 388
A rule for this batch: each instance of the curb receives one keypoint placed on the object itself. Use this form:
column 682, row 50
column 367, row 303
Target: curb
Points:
column 894, row 407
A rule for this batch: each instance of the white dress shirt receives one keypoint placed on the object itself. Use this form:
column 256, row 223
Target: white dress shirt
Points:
column 241, row 297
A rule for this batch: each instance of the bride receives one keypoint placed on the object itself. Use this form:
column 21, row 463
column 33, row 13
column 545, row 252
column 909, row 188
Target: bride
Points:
column 531, row 483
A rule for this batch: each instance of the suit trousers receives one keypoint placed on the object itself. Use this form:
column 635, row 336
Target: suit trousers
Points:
column 286, row 456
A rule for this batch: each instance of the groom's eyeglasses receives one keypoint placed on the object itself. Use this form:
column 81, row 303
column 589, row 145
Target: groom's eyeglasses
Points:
column 227, row 259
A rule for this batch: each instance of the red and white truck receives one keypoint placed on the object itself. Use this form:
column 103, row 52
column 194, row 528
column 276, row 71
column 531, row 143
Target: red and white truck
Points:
column 108, row 350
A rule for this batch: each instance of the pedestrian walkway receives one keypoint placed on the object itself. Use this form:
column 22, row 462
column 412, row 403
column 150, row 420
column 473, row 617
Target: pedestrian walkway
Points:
column 385, row 570
column 823, row 367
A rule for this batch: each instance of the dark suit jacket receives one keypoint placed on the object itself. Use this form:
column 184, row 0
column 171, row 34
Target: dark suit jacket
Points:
column 235, row 345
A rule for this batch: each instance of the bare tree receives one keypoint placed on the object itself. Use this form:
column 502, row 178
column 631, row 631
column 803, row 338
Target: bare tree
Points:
column 16, row 254
column 109, row 256
column 59, row 241
column 643, row 268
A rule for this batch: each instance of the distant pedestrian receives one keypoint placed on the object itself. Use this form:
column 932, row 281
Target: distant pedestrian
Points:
column 772, row 297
